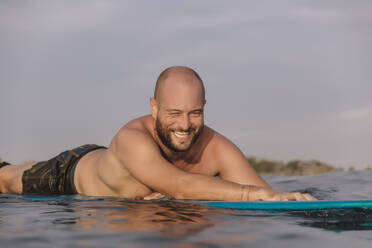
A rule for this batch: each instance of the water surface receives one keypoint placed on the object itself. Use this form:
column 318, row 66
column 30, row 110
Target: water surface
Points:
column 112, row 222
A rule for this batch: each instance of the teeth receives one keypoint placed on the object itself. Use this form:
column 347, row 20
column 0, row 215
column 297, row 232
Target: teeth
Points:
column 181, row 134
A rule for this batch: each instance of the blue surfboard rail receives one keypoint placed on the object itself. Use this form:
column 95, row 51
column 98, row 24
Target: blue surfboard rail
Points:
column 260, row 205
column 289, row 205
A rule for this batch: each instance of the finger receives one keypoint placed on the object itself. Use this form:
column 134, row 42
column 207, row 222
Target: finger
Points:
column 288, row 197
column 303, row 197
column 279, row 197
column 155, row 195
column 295, row 196
column 309, row 197
column 274, row 197
column 160, row 195
column 147, row 198
column 299, row 196
column 284, row 198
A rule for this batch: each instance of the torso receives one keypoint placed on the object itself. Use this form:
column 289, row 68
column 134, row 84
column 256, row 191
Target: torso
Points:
column 100, row 173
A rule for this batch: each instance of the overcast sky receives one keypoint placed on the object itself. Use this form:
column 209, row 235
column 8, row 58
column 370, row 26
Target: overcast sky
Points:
column 284, row 79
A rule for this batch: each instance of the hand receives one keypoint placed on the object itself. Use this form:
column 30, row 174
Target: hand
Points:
column 265, row 194
column 154, row 196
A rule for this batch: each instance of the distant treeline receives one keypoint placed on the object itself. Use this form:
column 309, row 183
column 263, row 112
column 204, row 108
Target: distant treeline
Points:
column 292, row 168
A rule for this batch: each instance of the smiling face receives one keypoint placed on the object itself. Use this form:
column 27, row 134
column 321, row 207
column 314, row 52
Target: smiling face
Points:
column 178, row 110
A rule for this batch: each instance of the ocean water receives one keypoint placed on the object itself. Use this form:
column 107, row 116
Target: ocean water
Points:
column 112, row 222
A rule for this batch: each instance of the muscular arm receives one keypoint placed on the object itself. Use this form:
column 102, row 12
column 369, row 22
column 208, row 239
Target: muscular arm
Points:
column 141, row 156
column 233, row 165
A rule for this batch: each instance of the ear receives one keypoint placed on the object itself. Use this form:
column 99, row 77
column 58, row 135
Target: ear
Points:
column 205, row 101
column 154, row 107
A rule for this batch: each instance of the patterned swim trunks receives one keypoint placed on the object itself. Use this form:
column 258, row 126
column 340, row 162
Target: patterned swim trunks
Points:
column 55, row 176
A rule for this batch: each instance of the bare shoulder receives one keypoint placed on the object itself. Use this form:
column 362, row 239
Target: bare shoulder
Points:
column 232, row 164
column 224, row 152
column 219, row 143
column 137, row 128
column 140, row 124
column 134, row 139
column 218, row 151
column 131, row 137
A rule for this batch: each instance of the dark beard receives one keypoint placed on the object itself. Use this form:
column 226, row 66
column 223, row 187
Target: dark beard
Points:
column 164, row 136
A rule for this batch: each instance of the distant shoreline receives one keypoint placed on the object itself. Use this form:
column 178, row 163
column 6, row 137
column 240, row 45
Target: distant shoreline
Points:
column 293, row 168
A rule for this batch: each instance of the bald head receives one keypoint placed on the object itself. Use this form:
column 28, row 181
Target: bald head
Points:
column 179, row 74
column 177, row 108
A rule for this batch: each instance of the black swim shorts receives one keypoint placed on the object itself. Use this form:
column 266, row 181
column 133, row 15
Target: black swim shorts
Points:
column 55, row 176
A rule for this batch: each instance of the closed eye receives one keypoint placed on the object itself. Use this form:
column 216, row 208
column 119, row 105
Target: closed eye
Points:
column 174, row 113
column 197, row 113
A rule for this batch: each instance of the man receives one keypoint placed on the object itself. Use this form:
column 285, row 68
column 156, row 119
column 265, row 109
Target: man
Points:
column 169, row 152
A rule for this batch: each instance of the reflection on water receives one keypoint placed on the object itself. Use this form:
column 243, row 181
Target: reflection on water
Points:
column 110, row 222
column 172, row 219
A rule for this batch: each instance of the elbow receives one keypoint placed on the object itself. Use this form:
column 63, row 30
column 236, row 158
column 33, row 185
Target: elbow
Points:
column 177, row 194
column 181, row 190
column 186, row 196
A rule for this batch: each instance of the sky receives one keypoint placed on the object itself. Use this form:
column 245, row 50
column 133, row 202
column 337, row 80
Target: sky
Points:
column 284, row 79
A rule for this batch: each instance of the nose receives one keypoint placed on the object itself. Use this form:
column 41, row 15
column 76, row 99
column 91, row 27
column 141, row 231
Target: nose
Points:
column 184, row 122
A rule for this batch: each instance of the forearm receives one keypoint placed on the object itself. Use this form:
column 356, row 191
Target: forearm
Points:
column 202, row 187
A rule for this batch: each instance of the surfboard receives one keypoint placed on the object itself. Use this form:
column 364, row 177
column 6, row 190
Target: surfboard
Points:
column 284, row 205
column 289, row 205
